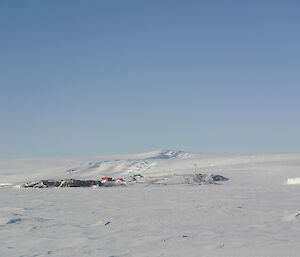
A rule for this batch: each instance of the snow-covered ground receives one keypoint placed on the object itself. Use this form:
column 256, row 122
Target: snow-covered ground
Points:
column 254, row 213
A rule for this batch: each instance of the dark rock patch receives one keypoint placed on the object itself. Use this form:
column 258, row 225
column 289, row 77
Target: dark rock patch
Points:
column 62, row 183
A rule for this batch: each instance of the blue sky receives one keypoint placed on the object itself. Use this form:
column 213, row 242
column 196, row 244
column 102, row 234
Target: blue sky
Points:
column 80, row 78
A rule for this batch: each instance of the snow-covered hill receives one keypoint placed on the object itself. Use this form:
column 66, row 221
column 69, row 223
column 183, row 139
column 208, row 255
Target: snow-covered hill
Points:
column 155, row 163
column 254, row 213
column 16, row 171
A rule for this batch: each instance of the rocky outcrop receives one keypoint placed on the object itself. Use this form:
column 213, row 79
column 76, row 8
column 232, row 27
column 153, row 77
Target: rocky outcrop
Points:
column 62, row 183
column 79, row 183
column 204, row 179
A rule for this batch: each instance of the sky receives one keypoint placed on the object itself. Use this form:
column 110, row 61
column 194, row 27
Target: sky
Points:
column 86, row 78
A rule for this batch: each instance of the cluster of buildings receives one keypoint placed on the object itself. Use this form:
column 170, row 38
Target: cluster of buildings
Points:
column 111, row 181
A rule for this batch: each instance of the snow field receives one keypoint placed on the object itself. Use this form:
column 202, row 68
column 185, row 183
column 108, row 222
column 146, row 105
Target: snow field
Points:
column 252, row 214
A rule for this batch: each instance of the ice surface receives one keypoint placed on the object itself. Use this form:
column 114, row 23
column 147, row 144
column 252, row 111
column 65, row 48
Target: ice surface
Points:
column 254, row 213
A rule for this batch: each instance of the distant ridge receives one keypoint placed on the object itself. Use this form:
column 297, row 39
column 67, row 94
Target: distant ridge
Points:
column 168, row 154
